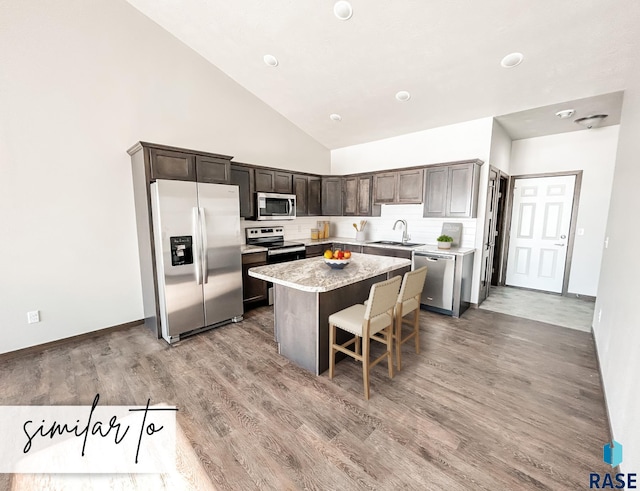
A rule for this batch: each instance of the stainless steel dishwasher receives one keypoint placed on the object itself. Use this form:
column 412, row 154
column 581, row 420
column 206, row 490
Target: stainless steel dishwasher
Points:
column 439, row 285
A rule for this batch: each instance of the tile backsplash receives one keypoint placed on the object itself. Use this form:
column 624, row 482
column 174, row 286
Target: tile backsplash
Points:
column 421, row 230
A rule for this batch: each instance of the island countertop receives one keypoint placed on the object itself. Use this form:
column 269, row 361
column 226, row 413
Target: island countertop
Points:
column 313, row 275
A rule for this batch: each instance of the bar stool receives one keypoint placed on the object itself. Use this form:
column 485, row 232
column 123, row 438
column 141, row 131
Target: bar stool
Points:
column 409, row 301
column 373, row 321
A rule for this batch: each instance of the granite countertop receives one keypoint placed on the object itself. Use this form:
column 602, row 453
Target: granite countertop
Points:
column 313, row 275
column 457, row 251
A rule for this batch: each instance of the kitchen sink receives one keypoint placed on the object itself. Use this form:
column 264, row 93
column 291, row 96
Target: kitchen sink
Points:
column 391, row 242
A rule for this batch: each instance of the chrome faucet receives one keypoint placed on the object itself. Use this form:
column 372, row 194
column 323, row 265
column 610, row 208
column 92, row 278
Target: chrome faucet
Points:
column 405, row 235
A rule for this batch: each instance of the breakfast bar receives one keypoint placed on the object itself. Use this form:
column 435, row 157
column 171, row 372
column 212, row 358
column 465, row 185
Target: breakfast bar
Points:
column 307, row 291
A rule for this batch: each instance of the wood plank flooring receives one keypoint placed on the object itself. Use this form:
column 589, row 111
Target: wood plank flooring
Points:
column 491, row 402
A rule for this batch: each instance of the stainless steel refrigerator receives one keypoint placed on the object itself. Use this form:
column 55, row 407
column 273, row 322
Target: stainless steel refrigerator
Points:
column 197, row 250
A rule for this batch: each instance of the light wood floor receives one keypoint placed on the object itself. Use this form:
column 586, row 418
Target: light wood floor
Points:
column 491, row 402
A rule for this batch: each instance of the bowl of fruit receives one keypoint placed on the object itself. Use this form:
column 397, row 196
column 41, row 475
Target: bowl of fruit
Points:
column 337, row 259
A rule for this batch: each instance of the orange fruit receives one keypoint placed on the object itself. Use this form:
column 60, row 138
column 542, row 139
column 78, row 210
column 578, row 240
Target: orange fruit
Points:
column 347, row 254
column 328, row 254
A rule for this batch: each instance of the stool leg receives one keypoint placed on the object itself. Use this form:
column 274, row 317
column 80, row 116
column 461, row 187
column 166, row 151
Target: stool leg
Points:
column 416, row 328
column 357, row 343
column 398, row 337
column 389, row 330
column 365, row 366
column 332, row 338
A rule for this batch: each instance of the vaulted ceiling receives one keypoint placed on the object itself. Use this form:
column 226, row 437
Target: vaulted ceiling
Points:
column 445, row 53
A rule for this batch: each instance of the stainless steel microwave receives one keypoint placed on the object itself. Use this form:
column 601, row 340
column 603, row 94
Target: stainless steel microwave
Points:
column 274, row 206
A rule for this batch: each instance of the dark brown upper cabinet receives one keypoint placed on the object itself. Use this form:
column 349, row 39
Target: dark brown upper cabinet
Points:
column 332, row 196
column 357, row 198
column 404, row 186
column 265, row 180
column 171, row 164
column 212, row 169
column 187, row 165
column 452, row 190
column 315, row 196
column 385, row 187
column 301, row 190
column 242, row 176
column 273, row 181
column 350, row 196
column 410, row 186
column 282, row 182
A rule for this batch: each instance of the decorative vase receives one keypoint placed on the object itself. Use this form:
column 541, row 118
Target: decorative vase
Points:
column 444, row 245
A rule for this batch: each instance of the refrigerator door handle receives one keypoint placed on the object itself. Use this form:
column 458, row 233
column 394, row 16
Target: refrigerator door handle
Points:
column 204, row 246
column 198, row 246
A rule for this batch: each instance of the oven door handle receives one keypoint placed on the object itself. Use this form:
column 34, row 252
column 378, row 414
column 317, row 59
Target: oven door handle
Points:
column 276, row 252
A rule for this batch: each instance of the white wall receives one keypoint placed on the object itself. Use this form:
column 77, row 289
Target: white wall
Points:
column 81, row 82
column 593, row 152
column 617, row 334
column 500, row 150
column 468, row 140
column 462, row 141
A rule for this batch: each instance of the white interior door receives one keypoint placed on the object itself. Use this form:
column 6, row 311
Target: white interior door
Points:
column 539, row 235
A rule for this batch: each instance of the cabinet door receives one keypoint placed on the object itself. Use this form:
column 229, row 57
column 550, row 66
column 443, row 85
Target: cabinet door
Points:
column 243, row 177
column 282, row 182
column 300, row 189
column 410, row 184
column 460, row 191
column 264, row 181
column 253, row 289
column 332, row 196
column 211, row 169
column 435, row 191
column 168, row 164
column 350, row 196
column 365, row 204
column 315, row 196
column 385, row 187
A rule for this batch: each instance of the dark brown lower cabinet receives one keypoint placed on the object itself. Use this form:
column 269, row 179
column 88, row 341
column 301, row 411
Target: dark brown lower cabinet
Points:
column 316, row 250
column 253, row 289
column 383, row 251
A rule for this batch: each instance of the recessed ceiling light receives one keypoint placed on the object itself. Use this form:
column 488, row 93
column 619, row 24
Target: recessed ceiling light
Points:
column 335, row 117
column 591, row 121
column 270, row 60
column 512, row 60
column 342, row 10
column 566, row 113
column 403, row 96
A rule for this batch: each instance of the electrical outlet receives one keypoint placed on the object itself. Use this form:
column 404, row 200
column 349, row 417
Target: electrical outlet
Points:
column 33, row 316
column 599, row 315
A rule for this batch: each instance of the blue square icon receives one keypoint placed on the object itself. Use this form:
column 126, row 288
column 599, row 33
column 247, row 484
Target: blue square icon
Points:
column 612, row 453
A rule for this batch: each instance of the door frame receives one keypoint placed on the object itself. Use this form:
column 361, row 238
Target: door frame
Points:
column 499, row 237
column 503, row 236
column 572, row 226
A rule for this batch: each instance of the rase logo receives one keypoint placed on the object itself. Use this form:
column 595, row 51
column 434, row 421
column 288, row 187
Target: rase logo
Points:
column 612, row 455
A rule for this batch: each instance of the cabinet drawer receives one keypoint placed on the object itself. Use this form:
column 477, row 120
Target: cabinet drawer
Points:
column 316, row 250
column 254, row 258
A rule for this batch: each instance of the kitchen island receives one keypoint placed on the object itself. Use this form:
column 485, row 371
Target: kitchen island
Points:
column 307, row 292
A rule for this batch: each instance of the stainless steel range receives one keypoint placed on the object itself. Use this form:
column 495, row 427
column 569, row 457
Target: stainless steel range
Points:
column 278, row 250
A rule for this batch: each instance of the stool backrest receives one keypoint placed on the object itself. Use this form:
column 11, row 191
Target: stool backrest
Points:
column 382, row 297
column 412, row 284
